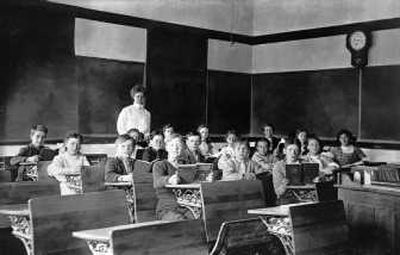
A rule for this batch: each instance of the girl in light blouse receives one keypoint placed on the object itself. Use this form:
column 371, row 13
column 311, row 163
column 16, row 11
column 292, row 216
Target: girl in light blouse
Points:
column 347, row 153
column 263, row 156
column 69, row 163
column 314, row 155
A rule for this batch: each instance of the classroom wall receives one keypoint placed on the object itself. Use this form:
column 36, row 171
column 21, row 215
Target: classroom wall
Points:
column 223, row 15
column 303, row 68
column 271, row 16
column 45, row 81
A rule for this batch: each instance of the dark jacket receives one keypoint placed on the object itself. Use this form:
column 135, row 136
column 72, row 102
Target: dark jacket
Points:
column 162, row 171
column 151, row 154
column 115, row 168
column 45, row 154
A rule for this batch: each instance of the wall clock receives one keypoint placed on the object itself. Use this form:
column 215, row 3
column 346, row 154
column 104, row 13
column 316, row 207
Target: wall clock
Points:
column 358, row 43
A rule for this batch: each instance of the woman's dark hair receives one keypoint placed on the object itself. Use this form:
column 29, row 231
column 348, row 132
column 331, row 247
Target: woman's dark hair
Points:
column 137, row 89
column 352, row 139
column 73, row 135
column 201, row 126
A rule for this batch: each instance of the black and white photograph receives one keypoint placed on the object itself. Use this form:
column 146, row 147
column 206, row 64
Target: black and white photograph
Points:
column 199, row 127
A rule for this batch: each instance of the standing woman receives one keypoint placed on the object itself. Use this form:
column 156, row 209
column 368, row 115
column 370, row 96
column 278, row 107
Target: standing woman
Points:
column 205, row 143
column 301, row 139
column 347, row 152
column 135, row 115
column 268, row 131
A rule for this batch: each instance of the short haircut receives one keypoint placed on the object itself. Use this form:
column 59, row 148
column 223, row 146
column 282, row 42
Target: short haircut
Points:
column 243, row 142
column 230, row 132
column 348, row 133
column 176, row 136
column 40, row 128
column 268, row 125
column 155, row 133
column 192, row 134
column 133, row 130
column 137, row 88
column 167, row 126
column 123, row 138
column 264, row 140
column 314, row 137
column 201, row 126
column 75, row 135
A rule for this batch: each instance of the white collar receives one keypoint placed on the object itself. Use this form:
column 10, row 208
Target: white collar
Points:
column 138, row 106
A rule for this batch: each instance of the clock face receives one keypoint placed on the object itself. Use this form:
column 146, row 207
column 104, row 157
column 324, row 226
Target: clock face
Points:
column 358, row 40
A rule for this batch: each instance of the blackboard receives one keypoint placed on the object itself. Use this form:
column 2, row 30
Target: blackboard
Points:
column 39, row 83
column 380, row 118
column 229, row 102
column 322, row 101
column 104, row 87
column 176, row 78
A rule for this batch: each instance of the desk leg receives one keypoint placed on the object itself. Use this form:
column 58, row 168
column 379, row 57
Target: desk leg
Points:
column 308, row 195
column 99, row 247
column 190, row 199
column 280, row 227
column 131, row 200
column 21, row 228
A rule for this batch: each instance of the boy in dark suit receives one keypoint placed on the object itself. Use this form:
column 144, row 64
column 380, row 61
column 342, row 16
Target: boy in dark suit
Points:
column 31, row 154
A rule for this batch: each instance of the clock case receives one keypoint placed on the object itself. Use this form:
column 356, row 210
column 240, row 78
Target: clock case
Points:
column 359, row 58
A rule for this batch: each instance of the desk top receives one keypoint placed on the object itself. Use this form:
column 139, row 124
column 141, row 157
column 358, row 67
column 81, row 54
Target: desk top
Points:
column 307, row 186
column 388, row 190
column 277, row 211
column 15, row 210
column 104, row 234
column 184, row 186
column 118, row 184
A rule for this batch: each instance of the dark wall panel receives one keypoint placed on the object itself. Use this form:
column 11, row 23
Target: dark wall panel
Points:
column 323, row 101
column 104, row 90
column 229, row 102
column 39, row 86
column 380, row 117
column 176, row 78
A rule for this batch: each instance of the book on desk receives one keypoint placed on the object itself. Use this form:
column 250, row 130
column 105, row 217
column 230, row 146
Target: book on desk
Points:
column 301, row 174
column 194, row 172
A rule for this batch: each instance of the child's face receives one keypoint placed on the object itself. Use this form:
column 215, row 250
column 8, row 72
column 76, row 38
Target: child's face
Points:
column 138, row 98
column 292, row 153
column 268, row 131
column 344, row 139
column 204, row 133
column 242, row 152
column 193, row 142
column 37, row 138
column 231, row 139
column 125, row 149
column 168, row 132
column 174, row 148
column 262, row 148
column 157, row 142
column 302, row 136
column 313, row 146
column 135, row 135
column 73, row 146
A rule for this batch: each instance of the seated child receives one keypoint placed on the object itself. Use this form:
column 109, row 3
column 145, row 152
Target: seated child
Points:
column 69, row 164
column 347, row 152
column 118, row 169
column 140, row 143
column 192, row 151
column 32, row 153
column 156, row 149
column 279, row 170
column 228, row 150
column 164, row 173
column 206, row 148
column 263, row 156
column 168, row 131
column 268, row 130
column 239, row 166
column 314, row 155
